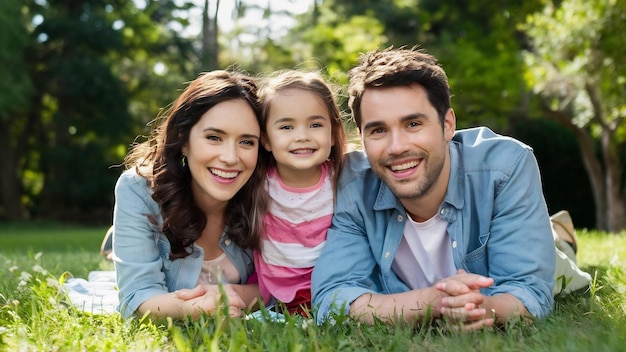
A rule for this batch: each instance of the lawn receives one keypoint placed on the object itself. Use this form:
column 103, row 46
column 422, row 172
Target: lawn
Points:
column 35, row 315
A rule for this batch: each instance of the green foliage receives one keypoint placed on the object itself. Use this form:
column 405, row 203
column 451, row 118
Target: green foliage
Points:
column 100, row 70
column 81, row 79
column 35, row 314
column 579, row 73
column 582, row 49
column 15, row 84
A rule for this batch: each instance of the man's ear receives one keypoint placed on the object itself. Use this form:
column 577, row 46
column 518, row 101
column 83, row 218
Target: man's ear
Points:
column 449, row 125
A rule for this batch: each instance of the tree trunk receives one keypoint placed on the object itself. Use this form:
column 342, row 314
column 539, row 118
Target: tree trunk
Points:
column 614, row 215
column 11, row 207
column 615, row 201
column 210, row 45
column 590, row 162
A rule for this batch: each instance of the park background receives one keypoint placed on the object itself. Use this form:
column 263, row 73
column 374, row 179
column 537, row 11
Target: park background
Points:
column 81, row 79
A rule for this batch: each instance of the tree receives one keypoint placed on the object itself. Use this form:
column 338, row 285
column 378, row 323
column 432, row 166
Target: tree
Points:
column 210, row 48
column 577, row 68
column 256, row 46
column 16, row 87
column 101, row 69
column 81, row 105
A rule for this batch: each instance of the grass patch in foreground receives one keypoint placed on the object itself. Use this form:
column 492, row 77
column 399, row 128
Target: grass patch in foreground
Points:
column 34, row 315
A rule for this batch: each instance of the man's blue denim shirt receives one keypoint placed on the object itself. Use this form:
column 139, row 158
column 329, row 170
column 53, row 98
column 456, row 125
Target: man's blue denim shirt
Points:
column 497, row 217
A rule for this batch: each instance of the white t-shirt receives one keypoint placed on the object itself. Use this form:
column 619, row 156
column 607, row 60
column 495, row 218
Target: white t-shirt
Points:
column 425, row 253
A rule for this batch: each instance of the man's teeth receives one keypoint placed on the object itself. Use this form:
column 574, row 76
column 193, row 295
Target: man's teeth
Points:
column 404, row 166
column 224, row 174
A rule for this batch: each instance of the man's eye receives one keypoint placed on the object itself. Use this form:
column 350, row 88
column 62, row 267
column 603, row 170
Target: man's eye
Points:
column 378, row 131
column 414, row 124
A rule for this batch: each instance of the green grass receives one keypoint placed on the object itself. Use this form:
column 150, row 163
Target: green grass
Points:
column 35, row 315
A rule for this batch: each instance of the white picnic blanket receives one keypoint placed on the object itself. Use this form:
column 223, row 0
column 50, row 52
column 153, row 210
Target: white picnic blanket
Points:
column 97, row 294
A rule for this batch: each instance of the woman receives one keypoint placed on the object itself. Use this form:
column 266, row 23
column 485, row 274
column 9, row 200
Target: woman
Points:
column 189, row 206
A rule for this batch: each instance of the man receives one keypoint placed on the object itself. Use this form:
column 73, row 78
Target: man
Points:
column 431, row 222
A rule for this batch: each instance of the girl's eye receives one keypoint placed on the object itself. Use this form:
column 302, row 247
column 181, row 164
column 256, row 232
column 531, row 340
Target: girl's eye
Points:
column 286, row 127
column 316, row 125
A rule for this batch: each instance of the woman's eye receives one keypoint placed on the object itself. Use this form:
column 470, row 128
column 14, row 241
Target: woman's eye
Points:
column 213, row 138
column 248, row 142
column 286, row 127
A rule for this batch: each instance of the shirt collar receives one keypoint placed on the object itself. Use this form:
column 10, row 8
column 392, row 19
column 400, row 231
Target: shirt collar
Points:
column 455, row 193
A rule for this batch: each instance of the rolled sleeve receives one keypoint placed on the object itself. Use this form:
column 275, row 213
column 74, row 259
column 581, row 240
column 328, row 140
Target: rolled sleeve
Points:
column 137, row 257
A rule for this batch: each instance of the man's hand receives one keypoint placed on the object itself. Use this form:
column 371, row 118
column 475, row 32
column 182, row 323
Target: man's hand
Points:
column 461, row 306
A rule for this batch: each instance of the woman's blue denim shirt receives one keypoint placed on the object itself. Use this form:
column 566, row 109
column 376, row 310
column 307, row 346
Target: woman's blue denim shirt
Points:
column 141, row 250
column 497, row 217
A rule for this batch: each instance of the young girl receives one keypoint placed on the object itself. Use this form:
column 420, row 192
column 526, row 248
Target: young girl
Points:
column 302, row 129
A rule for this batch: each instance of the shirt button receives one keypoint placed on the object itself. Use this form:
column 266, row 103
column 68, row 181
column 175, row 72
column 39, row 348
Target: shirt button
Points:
column 227, row 242
column 399, row 218
column 387, row 254
column 453, row 244
column 443, row 211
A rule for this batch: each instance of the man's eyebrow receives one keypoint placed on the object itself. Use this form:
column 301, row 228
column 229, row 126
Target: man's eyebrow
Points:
column 373, row 124
column 417, row 115
column 381, row 123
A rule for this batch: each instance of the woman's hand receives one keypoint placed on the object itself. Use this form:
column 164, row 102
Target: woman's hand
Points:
column 210, row 299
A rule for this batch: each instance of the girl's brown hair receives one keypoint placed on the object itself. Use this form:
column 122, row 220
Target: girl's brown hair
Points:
column 312, row 82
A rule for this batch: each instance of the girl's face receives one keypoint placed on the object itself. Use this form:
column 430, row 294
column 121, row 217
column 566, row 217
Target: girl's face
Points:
column 222, row 152
column 298, row 135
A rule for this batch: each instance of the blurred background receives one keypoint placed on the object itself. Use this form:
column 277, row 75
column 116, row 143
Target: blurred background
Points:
column 80, row 80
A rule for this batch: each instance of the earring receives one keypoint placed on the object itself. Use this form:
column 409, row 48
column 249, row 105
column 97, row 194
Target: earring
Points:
column 183, row 160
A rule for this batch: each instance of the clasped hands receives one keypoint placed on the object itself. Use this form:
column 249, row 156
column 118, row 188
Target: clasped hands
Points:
column 460, row 305
column 210, row 299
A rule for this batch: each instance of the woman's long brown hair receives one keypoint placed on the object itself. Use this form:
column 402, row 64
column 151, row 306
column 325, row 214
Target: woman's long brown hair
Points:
column 159, row 161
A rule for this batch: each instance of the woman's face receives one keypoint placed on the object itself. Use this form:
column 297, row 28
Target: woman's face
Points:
column 222, row 152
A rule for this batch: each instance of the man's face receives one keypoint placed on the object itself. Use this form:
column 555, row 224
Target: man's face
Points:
column 405, row 143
